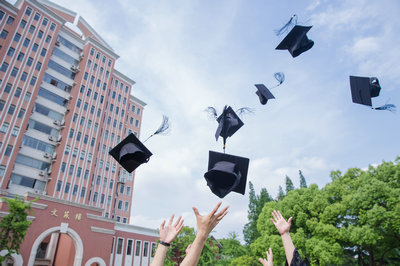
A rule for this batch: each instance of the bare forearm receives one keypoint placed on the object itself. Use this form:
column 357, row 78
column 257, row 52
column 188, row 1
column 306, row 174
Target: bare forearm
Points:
column 160, row 255
column 288, row 246
column 193, row 256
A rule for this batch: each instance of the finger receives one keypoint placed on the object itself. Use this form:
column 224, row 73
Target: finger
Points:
column 280, row 215
column 222, row 211
column 290, row 220
column 273, row 221
column 171, row 219
column 274, row 215
column 262, row 261
column 196, row 211
column 216, row 208
column 219, row 218
column 162, row 225
column 177, row 221
column 180, row 225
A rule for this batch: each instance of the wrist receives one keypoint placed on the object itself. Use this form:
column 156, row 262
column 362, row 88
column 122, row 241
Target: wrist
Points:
column 165, row 244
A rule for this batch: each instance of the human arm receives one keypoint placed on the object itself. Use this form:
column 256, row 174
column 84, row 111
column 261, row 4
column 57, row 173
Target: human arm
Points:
column 167, row 235
column 283, row 228
column 268, row 261
column 205, row 224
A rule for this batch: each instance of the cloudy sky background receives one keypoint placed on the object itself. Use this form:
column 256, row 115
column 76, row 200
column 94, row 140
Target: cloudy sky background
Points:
column 187, row 55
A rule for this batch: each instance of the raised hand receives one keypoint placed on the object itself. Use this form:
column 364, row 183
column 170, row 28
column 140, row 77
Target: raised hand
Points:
column 169, row 232
column 268, row 261
column 206, row 223
column 280, row 223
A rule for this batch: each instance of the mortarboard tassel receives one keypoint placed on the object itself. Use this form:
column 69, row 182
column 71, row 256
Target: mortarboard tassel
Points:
column 280, row 77
column 389, row 107
column 244, row 110
column 212, row 112
column 285, row 28
column 162, row 129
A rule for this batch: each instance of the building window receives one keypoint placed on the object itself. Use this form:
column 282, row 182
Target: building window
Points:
column 21, row 113
column 14, row 72
column 11, row 109
column 4, row 34
column 26, row 42
column 108, row 200
column 43, row 52
column 2, row 103
column 15, row 131
column 120, row 241
column 86, row 174
column 126, row 207
column 7, row 89
column 71, row 169
column 53, row 26
column 29, row 62
column 37, row 16
column 78, row 172
column 4, row 67
column 75, row 152
column 75, row 190
column 145, row 249
column 67, row 149
column 2, row 170
column 4, row 127
column 66, row 189
column 137, row 249
column 10, row 20
column 24, row 76
column 20, row 56
column 8, row 150
column 45, row 20
column 17, row 37
column 129, row 247
column 59, row 183
column 95, row 195
column 121, row 189
column 83, row 191
column 128, row 191
column 120, row 205
column 10, row 51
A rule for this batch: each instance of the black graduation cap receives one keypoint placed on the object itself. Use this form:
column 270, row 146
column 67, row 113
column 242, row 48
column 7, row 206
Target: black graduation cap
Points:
column 365, row 88
column 130, row 153
column 228, row 123
column 296, row 41
column 226, row 173
column 264, row 94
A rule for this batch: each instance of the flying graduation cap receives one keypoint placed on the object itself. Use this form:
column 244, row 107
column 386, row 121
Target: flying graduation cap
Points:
column 130, row 153
column 226, row 173
column 228, row 122
column 296, row 41
column 263, row 93
column 365, row 88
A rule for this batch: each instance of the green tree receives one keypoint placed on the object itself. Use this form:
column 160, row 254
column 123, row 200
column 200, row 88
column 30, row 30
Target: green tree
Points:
column 355, row 219
column 230, row 250
column 186, row 236
column 13, row 226
column 256, row 203
column 289, row 184
column 281, row 194
column 303, row 183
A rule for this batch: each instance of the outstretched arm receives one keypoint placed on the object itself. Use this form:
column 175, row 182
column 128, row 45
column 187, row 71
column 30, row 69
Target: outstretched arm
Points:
column 268, row 261
column 167, row 235
column 283, row 228
column 205, row 224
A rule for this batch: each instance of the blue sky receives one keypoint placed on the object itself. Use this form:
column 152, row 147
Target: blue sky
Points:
column 187, row 55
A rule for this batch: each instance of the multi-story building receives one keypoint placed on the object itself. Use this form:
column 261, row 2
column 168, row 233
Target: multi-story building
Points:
column 63, row 106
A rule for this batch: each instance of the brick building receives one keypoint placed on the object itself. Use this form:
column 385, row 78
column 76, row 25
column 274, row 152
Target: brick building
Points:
column 63, row 105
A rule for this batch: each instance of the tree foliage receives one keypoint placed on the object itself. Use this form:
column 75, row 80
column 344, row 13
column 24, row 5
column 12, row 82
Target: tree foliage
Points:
column 289, row 184
column 13, row 226
column 354, row 219
column 256, row 203
column 303, row 183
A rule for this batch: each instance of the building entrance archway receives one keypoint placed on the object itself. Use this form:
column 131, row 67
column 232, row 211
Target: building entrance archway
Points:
column 69, row 233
